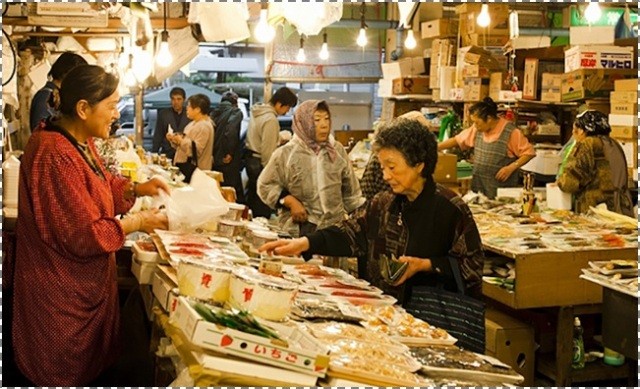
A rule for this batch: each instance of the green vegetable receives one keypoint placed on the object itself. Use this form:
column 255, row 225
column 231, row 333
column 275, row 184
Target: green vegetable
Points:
column 241, row 321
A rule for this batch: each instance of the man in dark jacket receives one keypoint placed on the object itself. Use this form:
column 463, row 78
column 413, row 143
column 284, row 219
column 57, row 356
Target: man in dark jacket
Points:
column 175, row 117
column 227, row 147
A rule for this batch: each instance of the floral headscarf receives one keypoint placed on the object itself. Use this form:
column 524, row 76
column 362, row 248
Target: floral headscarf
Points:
column 593, row 123
column 305, row 129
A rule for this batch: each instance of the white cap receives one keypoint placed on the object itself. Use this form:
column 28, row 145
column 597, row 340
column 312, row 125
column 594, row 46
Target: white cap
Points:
column 576, row 321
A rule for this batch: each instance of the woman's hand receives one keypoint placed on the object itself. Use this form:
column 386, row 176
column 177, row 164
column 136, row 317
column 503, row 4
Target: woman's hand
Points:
column 152, row 187
column 415, row 265
column 506, row 172
column 174, row 139
column 291, row 247
column 152, row 220
column 298, row 212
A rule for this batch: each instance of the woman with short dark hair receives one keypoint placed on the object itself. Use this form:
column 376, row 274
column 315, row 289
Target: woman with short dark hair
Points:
column 421, row 223
column 500, row 149
column 66, row 313
column 596, row 171
column 199, row 131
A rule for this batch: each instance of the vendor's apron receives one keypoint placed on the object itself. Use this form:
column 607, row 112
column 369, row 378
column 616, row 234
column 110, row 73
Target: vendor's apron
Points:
column 488, row 159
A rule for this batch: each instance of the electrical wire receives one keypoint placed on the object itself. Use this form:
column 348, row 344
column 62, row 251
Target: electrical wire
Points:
column 15, row 58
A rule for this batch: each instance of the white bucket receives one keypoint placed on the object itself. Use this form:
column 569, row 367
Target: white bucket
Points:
column 557, row 199
column 10, row 181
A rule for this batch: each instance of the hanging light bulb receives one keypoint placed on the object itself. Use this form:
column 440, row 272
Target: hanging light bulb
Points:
column 164, row 57
column 301, row 57
column 410, row 42
column 129, row 77
column 484, row 19
column 324, row 50
column 362, row 35
column 514, row 25
column 264, row 32
column 593, row 12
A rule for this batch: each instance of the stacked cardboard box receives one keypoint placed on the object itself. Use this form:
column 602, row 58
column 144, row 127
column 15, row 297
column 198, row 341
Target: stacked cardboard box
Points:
column 551, row 84
column 624, row 120
column 598, row 57
column 442, row 54
column 403, row 68
column 439, row 28
column 475, row 65
column 590, row 83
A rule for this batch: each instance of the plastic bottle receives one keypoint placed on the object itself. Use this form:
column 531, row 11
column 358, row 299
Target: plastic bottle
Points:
column 578, row 345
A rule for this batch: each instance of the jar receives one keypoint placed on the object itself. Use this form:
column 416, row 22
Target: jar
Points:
column 264, row 296
column 229, row 228
column 205, row 281
column 235, row 212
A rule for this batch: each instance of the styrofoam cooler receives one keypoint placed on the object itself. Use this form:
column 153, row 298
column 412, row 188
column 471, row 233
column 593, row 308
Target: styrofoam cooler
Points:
column 10, row 182
column 557, row 199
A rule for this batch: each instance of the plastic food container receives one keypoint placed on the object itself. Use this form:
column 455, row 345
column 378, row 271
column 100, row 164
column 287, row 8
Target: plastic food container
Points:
column 264, row 296
column 235, row 212
column 229, row 228
column 261, row 237
column 205, row 281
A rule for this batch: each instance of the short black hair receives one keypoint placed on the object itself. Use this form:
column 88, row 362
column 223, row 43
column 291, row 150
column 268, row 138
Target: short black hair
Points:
column 200, row 101
column 412, row 140
column 88, row 82
column 63, row 65
column 231, row 97
column 178, row 91
column 485, row 109
column 284, row 96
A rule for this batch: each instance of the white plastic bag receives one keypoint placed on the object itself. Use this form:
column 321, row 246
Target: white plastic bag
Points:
column 194, row 206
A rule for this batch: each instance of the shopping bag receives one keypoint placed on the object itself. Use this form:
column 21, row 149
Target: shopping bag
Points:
column 460, row 315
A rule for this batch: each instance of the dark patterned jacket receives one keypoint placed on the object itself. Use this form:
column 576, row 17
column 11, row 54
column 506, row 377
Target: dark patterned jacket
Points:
column 437, row 225
column 595, row 173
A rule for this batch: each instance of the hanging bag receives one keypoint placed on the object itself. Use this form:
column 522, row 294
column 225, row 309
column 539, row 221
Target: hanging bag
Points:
column 187, row 168
column 461, row 315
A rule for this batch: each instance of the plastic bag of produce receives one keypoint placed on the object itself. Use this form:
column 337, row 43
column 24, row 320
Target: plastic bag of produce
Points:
column 196, row 205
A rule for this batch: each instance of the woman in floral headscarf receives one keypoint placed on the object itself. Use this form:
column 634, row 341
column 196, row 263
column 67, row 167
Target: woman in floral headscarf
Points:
column 596, row 171
column 310, row 178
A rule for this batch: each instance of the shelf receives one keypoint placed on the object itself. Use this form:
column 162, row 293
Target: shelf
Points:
column 593, row 371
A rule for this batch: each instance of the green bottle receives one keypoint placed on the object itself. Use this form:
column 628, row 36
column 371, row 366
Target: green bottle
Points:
column 578, row 345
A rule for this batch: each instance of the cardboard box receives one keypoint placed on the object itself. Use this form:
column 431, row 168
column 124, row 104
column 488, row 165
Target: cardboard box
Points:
column 530, row 82
column 308, row 356
column 507, row 96
column 630, row 149
column 385, row 87
column 411, row 86
column 257, row 372
column 624, row 109
column 512, row 342
column 446, row 168
column 475, row 55
column 623, row 96
column 439, row 28
column 551, row 95
column 591, row 35
column 476, row 89
column 162, row 289
column 484, row 39
column 501, row 82
column 598, row 57
column 623, row 120
column 624, row 132
column 475, row 71
column 405, row 67
column 455, row 94
column 529, row 42
column 630, row 85
column 551, row 81
column 476, row 7
column 588, row 83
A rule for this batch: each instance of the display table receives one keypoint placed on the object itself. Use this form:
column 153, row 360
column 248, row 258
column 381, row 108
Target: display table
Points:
column 550, row 279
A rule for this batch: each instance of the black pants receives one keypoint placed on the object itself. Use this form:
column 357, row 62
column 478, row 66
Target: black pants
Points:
column 232, row 177
column 258, row 208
